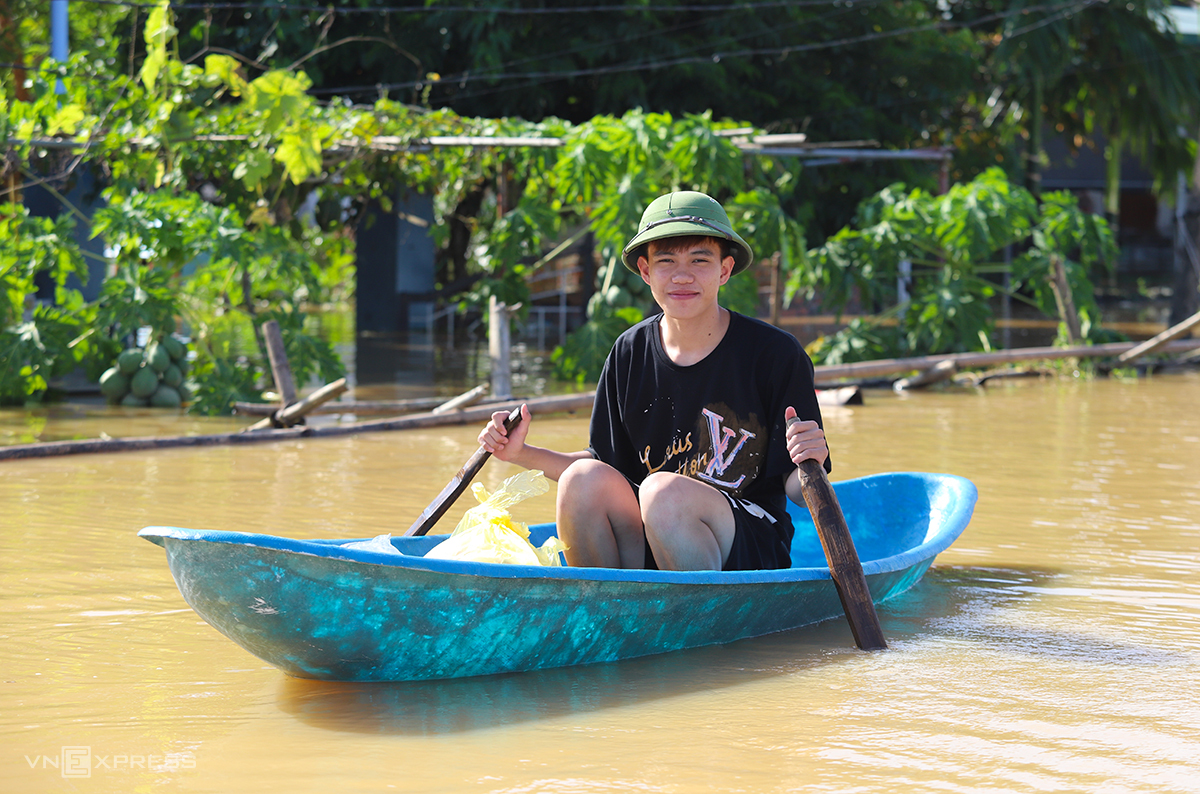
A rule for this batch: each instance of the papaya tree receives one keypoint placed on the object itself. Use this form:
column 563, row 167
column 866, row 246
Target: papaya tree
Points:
column 36, row 336
column 952, row 245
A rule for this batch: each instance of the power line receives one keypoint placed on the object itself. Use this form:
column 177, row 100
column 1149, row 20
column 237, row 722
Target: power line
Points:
column 652, row 33
column 716, row 57
column 434, row 9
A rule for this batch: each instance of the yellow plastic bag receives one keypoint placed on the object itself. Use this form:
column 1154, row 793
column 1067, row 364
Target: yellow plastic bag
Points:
column 487, row 533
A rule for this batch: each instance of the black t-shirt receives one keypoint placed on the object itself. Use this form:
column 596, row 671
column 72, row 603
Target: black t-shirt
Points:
column 719, row 421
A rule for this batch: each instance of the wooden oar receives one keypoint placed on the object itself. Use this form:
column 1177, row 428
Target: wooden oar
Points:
column 456, row 486
column 843, row 560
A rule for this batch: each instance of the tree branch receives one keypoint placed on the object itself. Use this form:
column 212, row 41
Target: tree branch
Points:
column 351, row 40
column 209, row 48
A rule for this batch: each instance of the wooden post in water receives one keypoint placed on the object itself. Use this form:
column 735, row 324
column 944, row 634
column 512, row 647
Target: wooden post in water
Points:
column 499, row 349
column 776, row 288
column 281, row 369
column 1065, row 300
column 290, row 412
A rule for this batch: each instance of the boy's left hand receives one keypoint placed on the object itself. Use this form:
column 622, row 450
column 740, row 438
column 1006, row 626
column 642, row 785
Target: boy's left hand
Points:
column 805, row 440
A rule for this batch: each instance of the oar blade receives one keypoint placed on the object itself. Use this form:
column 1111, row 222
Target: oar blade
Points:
column 449, row 495
column 844, row 565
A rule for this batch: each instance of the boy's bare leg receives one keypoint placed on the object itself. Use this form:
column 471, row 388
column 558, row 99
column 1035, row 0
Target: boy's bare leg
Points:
column 599, row 518
column 689, row 524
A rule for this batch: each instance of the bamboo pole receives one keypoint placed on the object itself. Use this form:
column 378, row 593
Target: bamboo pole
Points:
column 286, row 417
column 567, row 403
column 365, row 407
column 57, row 448
column 463, row 400
column 832, row 374
column 943, row 370
column 1151, row 345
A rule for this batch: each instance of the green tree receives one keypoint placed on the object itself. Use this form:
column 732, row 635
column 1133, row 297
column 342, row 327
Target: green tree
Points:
column 1116, row 70
column 951, row 243
column 35, row 337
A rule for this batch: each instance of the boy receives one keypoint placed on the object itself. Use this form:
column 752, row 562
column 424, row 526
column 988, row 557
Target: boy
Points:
column 691, row 453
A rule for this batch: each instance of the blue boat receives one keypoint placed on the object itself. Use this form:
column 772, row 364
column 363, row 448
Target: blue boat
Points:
column 317, row 609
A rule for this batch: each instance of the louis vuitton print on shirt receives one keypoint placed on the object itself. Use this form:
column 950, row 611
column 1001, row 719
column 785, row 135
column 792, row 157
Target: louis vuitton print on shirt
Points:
column 719, row 421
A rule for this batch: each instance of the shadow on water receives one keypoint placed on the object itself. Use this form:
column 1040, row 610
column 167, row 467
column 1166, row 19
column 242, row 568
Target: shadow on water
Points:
column 969, row 604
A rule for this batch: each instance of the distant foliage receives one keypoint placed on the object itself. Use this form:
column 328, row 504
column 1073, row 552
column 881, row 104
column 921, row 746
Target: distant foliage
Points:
column 954, row 244
column 233, row 195
column 35, row 336
column 240, row 198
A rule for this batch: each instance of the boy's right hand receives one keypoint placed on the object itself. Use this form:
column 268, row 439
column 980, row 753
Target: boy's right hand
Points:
column 505, row 446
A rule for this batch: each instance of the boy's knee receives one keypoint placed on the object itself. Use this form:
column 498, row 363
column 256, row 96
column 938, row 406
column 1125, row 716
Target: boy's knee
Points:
column 664, row 485
column 588, row 480
column 665, row 496
column 581, row 472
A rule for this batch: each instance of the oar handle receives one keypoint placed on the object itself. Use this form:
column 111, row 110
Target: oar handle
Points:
column 844, row 565
column 438, row 507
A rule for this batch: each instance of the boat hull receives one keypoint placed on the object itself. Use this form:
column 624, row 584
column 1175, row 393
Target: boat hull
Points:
column 317, row 610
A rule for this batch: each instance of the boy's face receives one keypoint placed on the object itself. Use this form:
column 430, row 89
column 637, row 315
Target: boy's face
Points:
column 685, row 282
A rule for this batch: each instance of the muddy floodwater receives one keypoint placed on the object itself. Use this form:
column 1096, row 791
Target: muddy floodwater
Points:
column 1055, row 647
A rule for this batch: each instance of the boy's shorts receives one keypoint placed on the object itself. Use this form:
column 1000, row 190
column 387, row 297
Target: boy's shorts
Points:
column 758, row 540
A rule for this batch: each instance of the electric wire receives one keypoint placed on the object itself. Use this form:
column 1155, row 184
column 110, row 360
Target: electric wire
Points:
column 491, row 91
column 551, row 76
column 532, row 79
column 716, row 57
column 519, row 11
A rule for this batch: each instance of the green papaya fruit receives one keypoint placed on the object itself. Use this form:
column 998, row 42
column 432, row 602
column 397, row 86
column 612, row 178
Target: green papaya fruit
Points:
column 166, row 397
column 144, row 382
column 173, row 376
column 131, row 400
column 114, row 384
column 186, row 394
column 157, row 357
column 175, row 349
column 130, row 360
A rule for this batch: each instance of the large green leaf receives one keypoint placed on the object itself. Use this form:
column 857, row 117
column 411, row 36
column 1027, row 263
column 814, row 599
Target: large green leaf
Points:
column 254, row 167
column 279, row 97
column 300, row 152
column 158, row 33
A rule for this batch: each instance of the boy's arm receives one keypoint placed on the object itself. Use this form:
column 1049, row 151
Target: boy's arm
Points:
column 511, row 447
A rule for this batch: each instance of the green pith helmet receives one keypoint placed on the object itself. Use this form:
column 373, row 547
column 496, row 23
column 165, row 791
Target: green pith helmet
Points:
column 683, row 214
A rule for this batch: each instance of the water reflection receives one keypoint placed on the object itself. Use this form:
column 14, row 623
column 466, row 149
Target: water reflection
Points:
column 419, row 364
column 948, row 605
column 453, row 706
